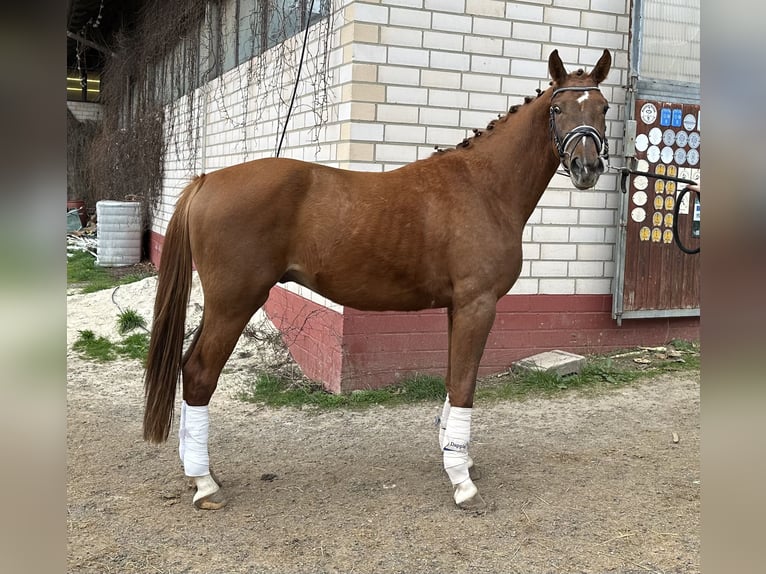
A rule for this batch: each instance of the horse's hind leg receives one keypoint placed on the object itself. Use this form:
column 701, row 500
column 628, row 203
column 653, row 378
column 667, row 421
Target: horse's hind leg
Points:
column 224, row 319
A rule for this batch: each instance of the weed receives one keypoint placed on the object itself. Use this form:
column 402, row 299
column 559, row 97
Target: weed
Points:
column 102, row 349
column 604, row 369
column 97, row 348
column 128, row 320
column 685, row 346
column 81, row 268
column 135, row 346
column 83, row 272
column 599, row 374
column 279, row 392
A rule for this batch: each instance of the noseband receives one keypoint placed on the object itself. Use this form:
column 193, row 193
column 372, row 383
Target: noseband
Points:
column 577, row 134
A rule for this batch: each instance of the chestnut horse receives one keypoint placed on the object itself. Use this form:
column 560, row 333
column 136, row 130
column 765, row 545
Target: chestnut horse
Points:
column 440, row 232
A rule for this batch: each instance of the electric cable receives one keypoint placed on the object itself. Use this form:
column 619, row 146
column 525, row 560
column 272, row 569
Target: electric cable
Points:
column 297, row 78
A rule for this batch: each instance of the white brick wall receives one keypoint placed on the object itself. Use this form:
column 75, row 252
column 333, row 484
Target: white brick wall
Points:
column 411, row 74
column 454, row 65
column 85, row 111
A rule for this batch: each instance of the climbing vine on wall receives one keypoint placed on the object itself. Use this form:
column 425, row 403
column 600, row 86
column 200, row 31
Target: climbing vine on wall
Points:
column 173, row 56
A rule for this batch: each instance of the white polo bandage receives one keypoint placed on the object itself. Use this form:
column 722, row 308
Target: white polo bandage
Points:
column 457, row 435
column 443, row 421
column 182, row 431
column 193, row 436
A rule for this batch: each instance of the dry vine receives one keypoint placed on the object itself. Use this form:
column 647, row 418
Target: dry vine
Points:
column 175, row 56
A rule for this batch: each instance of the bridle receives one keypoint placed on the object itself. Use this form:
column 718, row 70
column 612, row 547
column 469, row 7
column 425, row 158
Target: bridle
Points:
column 576, row 135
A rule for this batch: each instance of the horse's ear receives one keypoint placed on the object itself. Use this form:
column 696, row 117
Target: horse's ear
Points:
column 556, row 68
column 601, row 70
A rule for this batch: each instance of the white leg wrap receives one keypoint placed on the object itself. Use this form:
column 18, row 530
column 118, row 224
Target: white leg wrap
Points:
column 457, row 435
column 443, row 421
column 182, row 432
column 193, row 433
column 443, row 426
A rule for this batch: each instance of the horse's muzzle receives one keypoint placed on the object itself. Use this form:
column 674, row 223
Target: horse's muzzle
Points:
column 585, row 174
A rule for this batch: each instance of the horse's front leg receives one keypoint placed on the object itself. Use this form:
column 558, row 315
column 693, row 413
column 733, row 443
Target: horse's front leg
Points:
column 442, row 420
column 470, row 326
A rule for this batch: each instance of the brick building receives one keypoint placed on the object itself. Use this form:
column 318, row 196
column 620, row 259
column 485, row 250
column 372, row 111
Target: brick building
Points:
column 403, row 76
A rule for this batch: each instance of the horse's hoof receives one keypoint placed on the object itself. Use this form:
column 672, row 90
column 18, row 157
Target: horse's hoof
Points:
column 209, row 495
column 474, row 504
column 191, row 483
column 467, row 497
column 213, row 501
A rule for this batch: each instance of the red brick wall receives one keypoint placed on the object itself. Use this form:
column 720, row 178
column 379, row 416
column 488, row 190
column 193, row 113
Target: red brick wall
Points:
column 155, row 248
column 312, row 333
column 382, row 348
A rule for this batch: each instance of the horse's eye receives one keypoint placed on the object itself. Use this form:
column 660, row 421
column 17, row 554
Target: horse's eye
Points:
column 556, row 109
column 606, row 109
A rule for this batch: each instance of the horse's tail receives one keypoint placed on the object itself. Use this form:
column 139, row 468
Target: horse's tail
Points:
column 163, row 363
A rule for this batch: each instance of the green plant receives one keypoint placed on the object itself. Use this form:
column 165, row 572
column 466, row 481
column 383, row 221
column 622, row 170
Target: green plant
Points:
column 598, row 375
column 90, row 346
column 81, row 268
column 93, row 347
column 134, row 346
column 276, row 391
column 685, row 346
column 128, row 320
column 83, row 272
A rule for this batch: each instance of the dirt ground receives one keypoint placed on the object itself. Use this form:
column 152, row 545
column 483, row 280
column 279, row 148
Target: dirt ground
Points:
column 574, row 484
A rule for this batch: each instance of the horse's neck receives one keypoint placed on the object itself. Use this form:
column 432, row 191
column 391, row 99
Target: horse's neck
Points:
column 520, row 158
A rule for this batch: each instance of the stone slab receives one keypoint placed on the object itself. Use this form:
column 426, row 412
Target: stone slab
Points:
column 559, row 362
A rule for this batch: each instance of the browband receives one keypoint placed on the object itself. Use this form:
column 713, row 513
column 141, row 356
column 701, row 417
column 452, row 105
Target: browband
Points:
column 574, row 89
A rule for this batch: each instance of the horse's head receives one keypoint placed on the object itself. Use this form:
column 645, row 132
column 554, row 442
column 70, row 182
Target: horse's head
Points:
column 578, row 120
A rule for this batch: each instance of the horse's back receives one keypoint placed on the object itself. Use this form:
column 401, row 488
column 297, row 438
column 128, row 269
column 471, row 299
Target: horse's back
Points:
column 390, row 240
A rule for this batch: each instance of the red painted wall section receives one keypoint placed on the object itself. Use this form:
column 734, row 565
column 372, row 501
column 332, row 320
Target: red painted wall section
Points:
column 155, row 248
column 383, row 348
column 313, row 335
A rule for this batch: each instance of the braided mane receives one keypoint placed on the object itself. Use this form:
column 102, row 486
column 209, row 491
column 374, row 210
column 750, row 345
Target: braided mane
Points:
column 501, row 118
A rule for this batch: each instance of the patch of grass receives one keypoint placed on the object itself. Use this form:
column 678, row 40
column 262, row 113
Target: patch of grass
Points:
column 83, row 272
column 277, row 392
column 81, row 268
column 599, row 374
column 129, row 320
column 134, row 346
column 92, row 347
column 102, row 349
column 685, row 346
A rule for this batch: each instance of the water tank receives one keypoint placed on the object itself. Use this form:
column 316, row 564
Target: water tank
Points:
column 119, row 233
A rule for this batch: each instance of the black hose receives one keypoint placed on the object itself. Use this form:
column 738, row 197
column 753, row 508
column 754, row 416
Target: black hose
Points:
column 297, row 78
column 679, row 199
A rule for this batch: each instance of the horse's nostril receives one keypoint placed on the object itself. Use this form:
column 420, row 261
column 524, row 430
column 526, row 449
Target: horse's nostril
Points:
column 600, row 167
column 576, row 164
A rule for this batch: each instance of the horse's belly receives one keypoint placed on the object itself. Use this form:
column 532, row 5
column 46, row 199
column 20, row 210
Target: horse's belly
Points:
column 374, row 291
column 390, row 299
